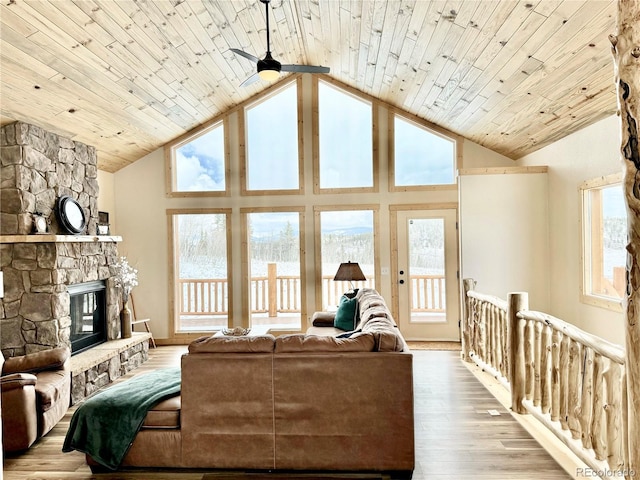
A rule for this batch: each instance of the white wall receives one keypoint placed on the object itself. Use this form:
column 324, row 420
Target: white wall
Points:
column 140, row 206
column 590, row 153
column 476, row 156
column 503, row 234
column 106, row 196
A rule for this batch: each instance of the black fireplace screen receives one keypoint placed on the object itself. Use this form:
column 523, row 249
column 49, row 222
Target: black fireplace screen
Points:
column 88, row 315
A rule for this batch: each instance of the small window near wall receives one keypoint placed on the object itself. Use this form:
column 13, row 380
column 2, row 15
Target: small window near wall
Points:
column 421, row 158
column 604, row 238
column 198, row 164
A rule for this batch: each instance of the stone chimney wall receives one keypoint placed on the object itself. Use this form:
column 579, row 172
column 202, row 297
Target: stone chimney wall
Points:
column 38, row 167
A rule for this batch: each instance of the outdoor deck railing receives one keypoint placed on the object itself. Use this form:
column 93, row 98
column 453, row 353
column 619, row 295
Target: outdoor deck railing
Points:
column 573, row 382
column 274, row 294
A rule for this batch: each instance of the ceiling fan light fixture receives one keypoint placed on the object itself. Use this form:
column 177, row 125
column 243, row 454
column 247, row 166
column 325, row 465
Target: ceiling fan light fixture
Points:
column 269, row 68
column 269, row 75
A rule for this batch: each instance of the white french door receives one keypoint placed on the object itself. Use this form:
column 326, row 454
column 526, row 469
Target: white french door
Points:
column 425, row 277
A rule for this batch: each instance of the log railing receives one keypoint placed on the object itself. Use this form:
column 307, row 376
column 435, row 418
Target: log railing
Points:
column 274, row 294
column 571, row 381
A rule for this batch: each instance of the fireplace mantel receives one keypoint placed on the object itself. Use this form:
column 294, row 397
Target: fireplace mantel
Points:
column 50, row 238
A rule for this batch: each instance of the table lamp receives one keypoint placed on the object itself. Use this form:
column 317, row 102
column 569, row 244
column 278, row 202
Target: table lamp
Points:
column 349, row 272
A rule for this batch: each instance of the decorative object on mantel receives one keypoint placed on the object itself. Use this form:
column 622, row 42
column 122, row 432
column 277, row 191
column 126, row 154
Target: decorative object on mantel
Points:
column 126, row 277
column 103, row 223
column 40, row 223
column 71, row 215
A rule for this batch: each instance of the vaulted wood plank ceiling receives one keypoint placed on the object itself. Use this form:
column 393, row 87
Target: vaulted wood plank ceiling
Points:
column 127, row 76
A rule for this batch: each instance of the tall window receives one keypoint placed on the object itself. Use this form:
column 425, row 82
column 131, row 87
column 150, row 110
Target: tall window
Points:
column 275, row 275
column 199, row 163
column 273, row 161
column 345, row 236
column 345, row 140
column 420, row 156
column 200, row 251
column 604, row 241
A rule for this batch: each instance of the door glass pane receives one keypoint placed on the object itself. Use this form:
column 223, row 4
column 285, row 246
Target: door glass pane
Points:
column 274, row 252
column 272, row 142
column 426, row 269
column 346, row 236
column 202, row 302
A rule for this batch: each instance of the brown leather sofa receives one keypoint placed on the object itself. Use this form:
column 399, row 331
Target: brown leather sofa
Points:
column 295, row 402
column 36, row 391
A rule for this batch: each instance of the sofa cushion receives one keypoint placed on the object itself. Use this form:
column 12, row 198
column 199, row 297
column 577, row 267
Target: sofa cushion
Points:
column 389, row 342
column 45, row 360
column 295, row 343
column 323, row 319
column 229, row 344
column 380, row 313
column 165, row 414
column 346, row 315
column 51, row 386
column 324, row 331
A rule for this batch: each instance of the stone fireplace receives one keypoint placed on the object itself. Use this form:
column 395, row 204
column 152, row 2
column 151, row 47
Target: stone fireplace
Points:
column 38, row 167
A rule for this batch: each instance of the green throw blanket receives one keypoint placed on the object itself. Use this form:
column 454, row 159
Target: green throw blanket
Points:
column 105, row 425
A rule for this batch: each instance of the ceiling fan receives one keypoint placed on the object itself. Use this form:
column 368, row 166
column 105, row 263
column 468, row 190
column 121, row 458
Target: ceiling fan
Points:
column 268, row 68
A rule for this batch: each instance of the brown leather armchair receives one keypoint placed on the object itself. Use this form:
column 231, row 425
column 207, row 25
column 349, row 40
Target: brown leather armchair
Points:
column 36, row 392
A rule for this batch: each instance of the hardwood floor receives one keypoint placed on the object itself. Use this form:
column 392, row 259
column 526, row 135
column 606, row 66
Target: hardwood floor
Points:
column 456, row 437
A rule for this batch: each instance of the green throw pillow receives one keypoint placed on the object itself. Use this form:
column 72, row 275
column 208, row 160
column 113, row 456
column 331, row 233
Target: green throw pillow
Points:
column 346, row 314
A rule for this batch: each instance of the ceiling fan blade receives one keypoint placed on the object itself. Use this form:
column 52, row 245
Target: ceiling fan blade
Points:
column 305, row 68
column 252, row 79
column 245, row 55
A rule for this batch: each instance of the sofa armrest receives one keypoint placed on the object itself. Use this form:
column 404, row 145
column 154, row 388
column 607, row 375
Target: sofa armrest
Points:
column 16, row 381
column 53, row 359
column 323, row 319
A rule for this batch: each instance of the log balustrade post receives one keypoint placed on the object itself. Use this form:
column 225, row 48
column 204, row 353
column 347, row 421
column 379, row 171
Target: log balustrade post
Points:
column 626, row 54
column 272, row 288
column 516, row 302
column 468, row 284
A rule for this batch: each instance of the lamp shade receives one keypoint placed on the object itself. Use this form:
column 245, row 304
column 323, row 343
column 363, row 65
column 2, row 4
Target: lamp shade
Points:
column 349, row 272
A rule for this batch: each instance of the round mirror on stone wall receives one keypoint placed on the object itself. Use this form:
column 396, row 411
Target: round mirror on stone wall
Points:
column 71, row 215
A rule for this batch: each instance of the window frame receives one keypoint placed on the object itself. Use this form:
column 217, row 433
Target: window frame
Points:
column 317, row 227
column 244, row 226
column 170, row 160
column 173, row 279
column 586, row 230
column 434, row 130
column 243, row 133
column 375, row 142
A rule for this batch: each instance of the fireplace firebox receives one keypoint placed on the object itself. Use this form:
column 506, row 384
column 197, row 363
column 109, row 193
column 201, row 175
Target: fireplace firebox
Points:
column 88, row 309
